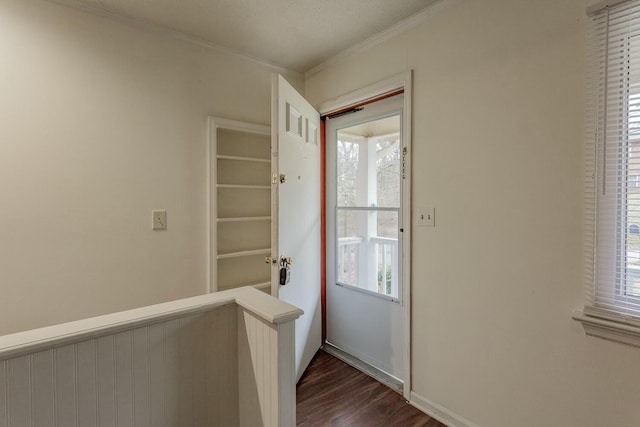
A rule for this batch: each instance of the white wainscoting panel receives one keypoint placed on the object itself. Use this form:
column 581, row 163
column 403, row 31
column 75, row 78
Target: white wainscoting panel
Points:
column 19, row 391
column 4, row 420
column 176, row 372
column 266, row 371
column 223, row 359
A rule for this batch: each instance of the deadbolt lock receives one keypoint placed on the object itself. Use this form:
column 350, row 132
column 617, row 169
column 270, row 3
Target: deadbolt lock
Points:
column 284, row 261
column 283, row 178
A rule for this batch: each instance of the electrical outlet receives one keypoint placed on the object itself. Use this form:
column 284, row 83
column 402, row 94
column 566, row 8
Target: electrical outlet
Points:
column 427, row 217
column 159, row 219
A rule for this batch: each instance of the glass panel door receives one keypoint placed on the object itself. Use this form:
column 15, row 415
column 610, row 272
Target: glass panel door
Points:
column 368, row 204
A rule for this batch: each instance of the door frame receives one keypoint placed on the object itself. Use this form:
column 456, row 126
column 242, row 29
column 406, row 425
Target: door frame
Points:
column 402, row 81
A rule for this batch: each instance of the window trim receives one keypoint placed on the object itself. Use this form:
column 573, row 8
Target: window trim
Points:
column 601, row 324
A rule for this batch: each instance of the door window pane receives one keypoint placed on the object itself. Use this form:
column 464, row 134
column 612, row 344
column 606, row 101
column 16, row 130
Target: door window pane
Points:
column 367, row 252
column 368, row 164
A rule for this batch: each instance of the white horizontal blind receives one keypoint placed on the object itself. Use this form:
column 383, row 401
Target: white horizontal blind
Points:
column 612, row 187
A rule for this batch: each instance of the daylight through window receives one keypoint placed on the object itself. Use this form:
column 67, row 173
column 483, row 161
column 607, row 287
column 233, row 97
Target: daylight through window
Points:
column 612, row 211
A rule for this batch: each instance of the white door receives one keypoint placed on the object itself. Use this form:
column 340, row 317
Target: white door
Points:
column 365, row 187
column 295, row 151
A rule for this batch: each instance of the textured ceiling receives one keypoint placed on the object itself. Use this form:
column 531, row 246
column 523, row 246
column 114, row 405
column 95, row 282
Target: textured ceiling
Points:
column 295, row 34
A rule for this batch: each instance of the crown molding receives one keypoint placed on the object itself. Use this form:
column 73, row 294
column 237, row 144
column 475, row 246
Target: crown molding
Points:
column 412, row 21
column 162, row 30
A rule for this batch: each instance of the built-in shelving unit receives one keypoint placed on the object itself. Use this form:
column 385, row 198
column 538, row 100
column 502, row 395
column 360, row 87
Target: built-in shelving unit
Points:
column 240, row 156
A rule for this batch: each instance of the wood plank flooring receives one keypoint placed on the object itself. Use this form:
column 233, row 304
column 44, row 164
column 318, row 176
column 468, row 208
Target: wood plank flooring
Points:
column 332, row 393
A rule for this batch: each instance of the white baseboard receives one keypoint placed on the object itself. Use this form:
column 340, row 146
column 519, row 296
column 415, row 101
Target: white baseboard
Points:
column 439, row 412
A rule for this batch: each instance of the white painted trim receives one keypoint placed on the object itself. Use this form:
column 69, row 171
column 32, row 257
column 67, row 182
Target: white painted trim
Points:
column 393, row 31
column 216, row 123
column 269, row 309
column 241, row 126
column 212, row 194
column 275, row 167
column 151, row 27
column 439, row 412
column 393, row 83
column 608, row 329
column 406, row 224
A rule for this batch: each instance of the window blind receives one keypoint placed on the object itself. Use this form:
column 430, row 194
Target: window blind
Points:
column 612, row 162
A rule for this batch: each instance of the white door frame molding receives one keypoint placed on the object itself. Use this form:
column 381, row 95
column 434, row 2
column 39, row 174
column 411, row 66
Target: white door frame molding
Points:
column 402, row 81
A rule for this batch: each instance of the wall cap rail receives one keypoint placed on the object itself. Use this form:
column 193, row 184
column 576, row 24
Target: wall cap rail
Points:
column 266, row 307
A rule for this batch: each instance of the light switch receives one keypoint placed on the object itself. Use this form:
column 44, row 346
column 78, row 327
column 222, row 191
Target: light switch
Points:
column 159, row 219
column 427, row 217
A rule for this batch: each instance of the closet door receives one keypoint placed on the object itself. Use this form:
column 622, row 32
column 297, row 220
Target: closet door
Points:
column 240, row 160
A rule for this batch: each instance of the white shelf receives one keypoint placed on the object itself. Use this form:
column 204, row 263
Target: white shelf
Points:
column 248, row 187
column 260, row 285
column 242, row 158
column 245, row 219
column 265, row 288
column 244, row 253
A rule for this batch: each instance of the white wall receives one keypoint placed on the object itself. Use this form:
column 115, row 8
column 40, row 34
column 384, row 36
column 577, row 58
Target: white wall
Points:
column 497, row 149
column 100, row 123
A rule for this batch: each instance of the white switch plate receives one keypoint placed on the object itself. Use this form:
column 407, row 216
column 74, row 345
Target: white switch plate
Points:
column 427, row 217
column 159, row 219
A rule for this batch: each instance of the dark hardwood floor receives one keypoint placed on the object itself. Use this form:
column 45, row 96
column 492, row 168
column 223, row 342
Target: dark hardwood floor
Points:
column 332, row 393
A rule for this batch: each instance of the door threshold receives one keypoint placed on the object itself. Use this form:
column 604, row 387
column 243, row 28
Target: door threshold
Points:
column 377, row 374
